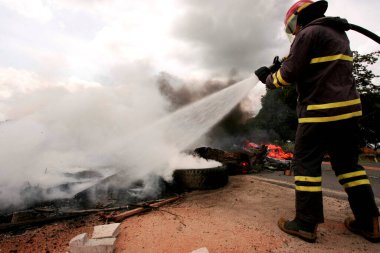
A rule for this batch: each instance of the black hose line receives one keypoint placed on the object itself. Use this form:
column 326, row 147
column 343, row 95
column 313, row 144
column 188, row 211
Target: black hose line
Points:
column 365, row 32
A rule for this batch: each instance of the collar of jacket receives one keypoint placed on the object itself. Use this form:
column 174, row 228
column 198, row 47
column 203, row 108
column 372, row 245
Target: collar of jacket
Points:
column 334, row 22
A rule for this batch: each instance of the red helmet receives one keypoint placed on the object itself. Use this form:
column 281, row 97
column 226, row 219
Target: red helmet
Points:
column 304, row 6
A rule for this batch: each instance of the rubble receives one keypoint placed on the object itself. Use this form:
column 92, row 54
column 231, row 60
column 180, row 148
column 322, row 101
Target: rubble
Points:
column 247, row 206
column 201, row 250
column 142, row 208
column 78, row 241
column 252, row 158
column 102, row 241
column 104, row 231
column 371, row 153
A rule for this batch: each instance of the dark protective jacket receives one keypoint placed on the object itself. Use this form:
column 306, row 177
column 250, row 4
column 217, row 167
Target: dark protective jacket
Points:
column 320, row 63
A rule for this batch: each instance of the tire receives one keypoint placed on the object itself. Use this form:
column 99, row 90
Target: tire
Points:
column 201, row 179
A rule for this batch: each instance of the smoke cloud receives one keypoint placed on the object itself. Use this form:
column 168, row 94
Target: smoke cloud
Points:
column 55, row 129
column 228, row 132
column 53, row 132
column 72, row 97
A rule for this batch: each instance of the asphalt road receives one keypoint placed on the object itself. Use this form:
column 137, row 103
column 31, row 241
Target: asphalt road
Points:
column 330, row 184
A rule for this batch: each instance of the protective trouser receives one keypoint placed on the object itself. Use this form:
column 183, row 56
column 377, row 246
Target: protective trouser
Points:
column 338, row 139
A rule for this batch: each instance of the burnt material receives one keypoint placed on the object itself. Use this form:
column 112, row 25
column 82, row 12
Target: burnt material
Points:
column 237, row 162
column 200, row 179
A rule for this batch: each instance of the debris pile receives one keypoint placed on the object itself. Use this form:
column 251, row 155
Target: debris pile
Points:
column 103, row 240
column 252, row 158
column 104, row 198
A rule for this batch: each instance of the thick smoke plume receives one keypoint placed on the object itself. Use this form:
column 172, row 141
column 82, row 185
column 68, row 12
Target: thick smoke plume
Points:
column 50, row 127
column 229, row 131
column 52, row 132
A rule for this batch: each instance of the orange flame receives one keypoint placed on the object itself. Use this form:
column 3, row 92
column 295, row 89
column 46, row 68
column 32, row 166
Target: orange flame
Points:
column 277, row 152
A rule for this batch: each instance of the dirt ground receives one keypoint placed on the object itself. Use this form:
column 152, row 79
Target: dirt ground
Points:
column 240, row 217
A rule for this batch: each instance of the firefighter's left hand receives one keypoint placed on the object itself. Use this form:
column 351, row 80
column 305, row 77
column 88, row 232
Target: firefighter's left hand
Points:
column 276, row 64
column 262, row 73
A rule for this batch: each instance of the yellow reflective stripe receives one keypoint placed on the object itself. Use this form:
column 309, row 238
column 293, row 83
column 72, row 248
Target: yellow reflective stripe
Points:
column 290, row 18
column 275, row 82
column 331, row 58
column 298, row 10
column 333, row 105
column 308, row 179
column 356, row 183
column 352, row 174
column 282, row 81
column 309, row 188
column 330, row 118
column 303, row 7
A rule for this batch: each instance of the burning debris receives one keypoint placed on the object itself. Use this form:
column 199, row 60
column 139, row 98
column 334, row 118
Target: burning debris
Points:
column 140, row 169
column 81, row 205
column 87, row 192
column 106, row 195
column 252, row 158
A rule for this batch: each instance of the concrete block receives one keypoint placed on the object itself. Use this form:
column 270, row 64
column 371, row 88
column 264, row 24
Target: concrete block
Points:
column 79, row 240
column 201, row 250
column 106, row 231
column 104, row 245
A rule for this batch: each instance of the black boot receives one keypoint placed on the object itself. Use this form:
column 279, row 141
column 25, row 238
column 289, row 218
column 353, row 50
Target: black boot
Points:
column 368, row 230
column 305, row 231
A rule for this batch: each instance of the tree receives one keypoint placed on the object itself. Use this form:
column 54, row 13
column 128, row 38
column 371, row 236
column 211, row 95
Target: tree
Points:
column 369, row 95
column 277, row 117
column 363, row 74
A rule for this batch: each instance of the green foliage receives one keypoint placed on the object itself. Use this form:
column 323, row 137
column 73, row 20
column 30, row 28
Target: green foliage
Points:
column 369, row 95
column 277, row 115
column 363, row 75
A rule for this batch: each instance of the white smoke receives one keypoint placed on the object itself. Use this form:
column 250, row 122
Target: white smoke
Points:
column 72, row 96
column 52, row 130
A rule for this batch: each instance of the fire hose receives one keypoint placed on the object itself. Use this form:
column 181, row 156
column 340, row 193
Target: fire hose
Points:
column 365, row 32
column 346, row 26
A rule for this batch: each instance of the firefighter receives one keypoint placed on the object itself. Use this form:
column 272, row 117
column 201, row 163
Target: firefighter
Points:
column 320, row 64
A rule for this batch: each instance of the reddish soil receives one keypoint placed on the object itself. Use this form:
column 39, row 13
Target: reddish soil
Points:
column 48, row 238
column 240, row 217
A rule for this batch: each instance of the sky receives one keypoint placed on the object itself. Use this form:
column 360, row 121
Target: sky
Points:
column 82, row 43
column 78, row 78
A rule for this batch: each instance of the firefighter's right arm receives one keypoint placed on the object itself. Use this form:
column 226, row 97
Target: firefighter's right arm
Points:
column 293, row 66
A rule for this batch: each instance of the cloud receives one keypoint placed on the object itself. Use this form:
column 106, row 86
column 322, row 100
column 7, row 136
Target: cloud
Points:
column 13, row 80
column 239, row 34
column 33, row 9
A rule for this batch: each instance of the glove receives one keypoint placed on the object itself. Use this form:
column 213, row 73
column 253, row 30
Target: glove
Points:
column 276, row 64
column 262, row 73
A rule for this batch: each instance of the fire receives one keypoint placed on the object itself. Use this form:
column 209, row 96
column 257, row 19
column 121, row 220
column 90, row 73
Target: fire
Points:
column 277, row 152
column 244, row 164
column 273, row 151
